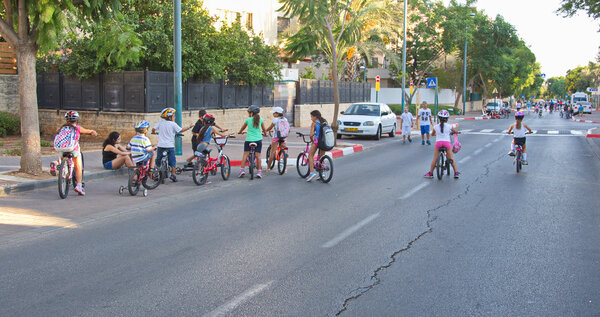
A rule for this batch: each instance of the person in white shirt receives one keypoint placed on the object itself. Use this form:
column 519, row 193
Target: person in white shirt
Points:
column 167, row 129
column 406, row 122
column 442, row 134
column 424, row 121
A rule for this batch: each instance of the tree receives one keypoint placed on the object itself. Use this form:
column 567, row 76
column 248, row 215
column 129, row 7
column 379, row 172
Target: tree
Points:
column 35, row 26
column 557, row 87
column 583, row 77
column 570, row 7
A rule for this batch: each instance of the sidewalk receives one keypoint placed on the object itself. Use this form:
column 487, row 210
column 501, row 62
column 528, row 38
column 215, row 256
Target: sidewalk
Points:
column 94, row 169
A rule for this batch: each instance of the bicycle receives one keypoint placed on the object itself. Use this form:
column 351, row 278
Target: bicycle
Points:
column 204, row 164
column 281, row 156
column 443, row 163
column 518, row 162
column 65, row 174
column 141, row 173
column 323, row 164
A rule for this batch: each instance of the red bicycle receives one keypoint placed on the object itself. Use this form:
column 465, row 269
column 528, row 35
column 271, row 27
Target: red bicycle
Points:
column 280, row 155
column 142, row 173
column 204, row 164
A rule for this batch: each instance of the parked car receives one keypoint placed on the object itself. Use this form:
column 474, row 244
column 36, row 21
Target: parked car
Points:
column 493, row 106
column 372, row 119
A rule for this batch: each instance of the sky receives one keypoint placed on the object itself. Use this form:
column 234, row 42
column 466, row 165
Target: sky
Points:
column 558, row 43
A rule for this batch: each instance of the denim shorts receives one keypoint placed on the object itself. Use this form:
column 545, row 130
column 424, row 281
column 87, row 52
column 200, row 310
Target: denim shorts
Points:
column 108, row 165
column 170, row 155
column 424, row 129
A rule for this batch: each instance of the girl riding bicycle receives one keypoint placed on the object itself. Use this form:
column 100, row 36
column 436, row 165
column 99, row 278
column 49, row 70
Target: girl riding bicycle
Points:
column 441, row 132
column 206, row 133
column 72, row 118
column 315, row 128
column 520, row 129
column 254, row 123
column 278, row 117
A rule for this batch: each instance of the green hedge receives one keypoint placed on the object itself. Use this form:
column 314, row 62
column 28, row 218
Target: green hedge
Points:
column 397, row 109
column 10, row 124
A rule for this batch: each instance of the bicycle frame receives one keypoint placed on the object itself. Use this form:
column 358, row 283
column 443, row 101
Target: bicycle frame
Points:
column 317, row 163
column 212, row 164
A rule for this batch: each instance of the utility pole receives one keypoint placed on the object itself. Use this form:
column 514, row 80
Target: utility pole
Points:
column 177, row 68
column 404, row 57
column 465, row 69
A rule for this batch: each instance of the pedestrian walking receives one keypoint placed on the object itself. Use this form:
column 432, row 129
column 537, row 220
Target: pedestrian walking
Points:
column 425, row 122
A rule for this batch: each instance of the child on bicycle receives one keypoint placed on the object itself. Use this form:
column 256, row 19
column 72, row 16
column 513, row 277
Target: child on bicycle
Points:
column 72, row 117
column 207, row 132
column 195, row 130
column 166, row 138
column 315, row 128
column 520, row 129
column 277, row 118
column 441, row 131
column 140, row 146
column 254, row 123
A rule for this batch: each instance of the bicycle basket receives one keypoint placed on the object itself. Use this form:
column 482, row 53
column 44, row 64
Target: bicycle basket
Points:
column 221, row 141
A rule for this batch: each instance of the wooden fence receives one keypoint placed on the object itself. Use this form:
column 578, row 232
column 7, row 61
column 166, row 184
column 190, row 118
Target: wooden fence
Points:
column 8, row 61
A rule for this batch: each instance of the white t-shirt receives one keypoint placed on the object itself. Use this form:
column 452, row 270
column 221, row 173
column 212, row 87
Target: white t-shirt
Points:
column 276, row 130
column 439, row 136
column 166, row 133
column 424, row 115
column 407, row 119
column 520, row 133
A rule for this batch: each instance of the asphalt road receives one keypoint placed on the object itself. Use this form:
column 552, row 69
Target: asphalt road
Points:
column 379, row 240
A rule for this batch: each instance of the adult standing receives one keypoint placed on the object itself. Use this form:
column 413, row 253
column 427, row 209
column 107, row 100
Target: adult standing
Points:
column 114, row 155
column 424, row 120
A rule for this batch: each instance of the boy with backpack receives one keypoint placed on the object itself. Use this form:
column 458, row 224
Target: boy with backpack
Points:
column 281, row 132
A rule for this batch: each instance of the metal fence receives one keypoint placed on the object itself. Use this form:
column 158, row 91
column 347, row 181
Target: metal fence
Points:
column 312, row 91
column 143, row 91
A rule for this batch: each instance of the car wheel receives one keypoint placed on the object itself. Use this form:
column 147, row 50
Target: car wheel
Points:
column 393, row 132
column 378, row 134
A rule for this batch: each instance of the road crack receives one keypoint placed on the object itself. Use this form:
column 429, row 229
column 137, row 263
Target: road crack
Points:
column 431, row 218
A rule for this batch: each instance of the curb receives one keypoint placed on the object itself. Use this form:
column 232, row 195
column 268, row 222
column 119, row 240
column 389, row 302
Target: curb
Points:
column 335, row 153
column 585, row 121
column 594, row 147
column 590, row 134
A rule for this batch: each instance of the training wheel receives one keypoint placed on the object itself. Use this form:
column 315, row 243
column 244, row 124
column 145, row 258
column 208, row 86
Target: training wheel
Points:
column 121, row 189
column 145, row 193
column 178, row 170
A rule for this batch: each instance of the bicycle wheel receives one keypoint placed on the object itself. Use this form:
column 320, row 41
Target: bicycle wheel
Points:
column 164, row 169
column 439, row 166
column 199, row 175
column 268, row 156
column 282, row 162
column 448, row 166
column 152, row 179
column 225, row 167
column 326, row 171
column 251, row 164
column 518, row 160
column 63, row 179
column 302, row 165
column 133, row 185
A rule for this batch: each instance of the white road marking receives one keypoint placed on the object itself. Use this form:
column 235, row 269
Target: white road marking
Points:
column 504, row 131
column 533, row 131
column 346, row 233
column 464, row 159
column 414, row 190
column 576, row 132
column 478, row 151
column 488, row 145
column 466, row 130
column 553, row 132
column 486, row 130
column 497, row 139
column 228, row 307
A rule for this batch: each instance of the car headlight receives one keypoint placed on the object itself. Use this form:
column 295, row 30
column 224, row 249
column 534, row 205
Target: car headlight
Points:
column 339, row 123
column 369, row 123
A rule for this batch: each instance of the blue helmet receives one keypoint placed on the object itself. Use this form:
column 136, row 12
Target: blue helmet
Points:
column 142, row 124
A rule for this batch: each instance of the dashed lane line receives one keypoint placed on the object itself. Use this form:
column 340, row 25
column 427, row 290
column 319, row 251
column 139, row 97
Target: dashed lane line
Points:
column 346, row 233
column 227, row 308
column 414, row 190
column 464, row 159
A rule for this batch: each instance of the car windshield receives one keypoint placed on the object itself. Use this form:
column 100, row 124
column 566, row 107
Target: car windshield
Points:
column 363, row 110
column 492, row 105
column 579, row 99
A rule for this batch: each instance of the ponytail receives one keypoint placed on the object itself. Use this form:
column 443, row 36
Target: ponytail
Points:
column 442, row 126
column 202, row 132
column 519, row 123
column 256, row 121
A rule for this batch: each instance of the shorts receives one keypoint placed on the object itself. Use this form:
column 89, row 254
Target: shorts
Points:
column 277, row 140
column 316, row 141
column 142, row 159
column 519, row 141
column 200, row 148
column 258, row 148
column 170, row 155
column 443, row 144
column 424, row 129
column 406, row 130
column 108, row 165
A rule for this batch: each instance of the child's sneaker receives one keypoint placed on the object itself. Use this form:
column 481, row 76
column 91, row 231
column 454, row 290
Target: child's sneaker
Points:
column 79, row 189
column 525, row 162
column 259, row 174
column 242, row 173
column 429, row 175
column 311, row 176
column 422, row 142
column 511, row 153
column 409, row 139
column 173, row 178
column 456, row 174
column 428, row 143
column 53, row 165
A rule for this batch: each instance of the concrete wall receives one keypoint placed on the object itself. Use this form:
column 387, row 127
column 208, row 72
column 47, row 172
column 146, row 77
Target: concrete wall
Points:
column 393, row 96
column 302, row 113
column 9, row 93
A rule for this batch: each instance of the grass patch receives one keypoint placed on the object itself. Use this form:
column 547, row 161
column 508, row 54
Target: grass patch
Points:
column 1, row 144
column 46, row 143
column 12, row 152
column 397, row 109
column 10, row 124
column 18, row 143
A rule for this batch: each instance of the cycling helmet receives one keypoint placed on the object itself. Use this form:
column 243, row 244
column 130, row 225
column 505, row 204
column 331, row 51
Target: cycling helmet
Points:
column 72, row 116
column 443, row 114
column 142, row 124
column 167, row 112
column 519, row 115
column 208, row 119
column 254, row 109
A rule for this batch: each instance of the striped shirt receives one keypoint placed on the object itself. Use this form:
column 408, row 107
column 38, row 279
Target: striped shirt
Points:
column 139, row 145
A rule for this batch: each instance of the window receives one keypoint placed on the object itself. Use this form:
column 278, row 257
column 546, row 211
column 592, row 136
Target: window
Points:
column 282, row 24
column 249, row 21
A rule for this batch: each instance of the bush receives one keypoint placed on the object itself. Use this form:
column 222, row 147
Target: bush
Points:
column 10, row 124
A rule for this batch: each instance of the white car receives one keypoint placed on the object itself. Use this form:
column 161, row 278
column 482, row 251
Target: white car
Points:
column 366, row 118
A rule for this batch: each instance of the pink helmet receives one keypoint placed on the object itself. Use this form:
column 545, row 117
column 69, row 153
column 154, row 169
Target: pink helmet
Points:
column 519, row 114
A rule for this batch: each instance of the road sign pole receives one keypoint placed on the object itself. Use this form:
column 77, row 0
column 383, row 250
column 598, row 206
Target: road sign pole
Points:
column 437, row 105
column 377, row 87
column 177, row 67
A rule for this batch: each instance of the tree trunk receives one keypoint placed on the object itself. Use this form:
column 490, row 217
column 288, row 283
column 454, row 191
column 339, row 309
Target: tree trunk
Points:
column 484, row 99
column 31, row 160
column 334, row 77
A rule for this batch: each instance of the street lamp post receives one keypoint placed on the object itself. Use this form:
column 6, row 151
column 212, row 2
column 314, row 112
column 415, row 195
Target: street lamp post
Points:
column 177, row 68
column 465, row 70
column 404, row 56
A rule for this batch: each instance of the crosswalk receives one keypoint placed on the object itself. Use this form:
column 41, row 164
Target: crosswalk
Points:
column 535, row 132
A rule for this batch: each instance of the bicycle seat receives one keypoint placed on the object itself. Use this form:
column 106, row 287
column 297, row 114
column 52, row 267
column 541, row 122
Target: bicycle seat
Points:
column 204, row 152
column 67, row 154
column 443, row 149
column 253, row 144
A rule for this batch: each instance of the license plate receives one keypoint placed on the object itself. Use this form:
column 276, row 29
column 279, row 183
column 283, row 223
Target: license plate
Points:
column 351, row 129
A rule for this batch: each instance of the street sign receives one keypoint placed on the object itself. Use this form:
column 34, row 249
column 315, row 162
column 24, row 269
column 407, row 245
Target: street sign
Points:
column 495, row 91
column 591, row 89
column 432, row 82
column 543, row 76
column 411, row 87
column 523, row 96
column 377, row 84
